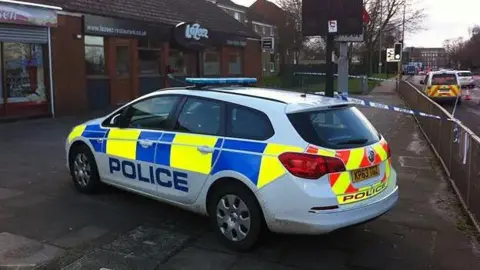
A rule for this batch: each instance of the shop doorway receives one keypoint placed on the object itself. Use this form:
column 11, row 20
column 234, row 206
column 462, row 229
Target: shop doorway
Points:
column 122, row 83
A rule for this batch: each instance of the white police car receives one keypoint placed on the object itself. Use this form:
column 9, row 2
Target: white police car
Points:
column 249, row 158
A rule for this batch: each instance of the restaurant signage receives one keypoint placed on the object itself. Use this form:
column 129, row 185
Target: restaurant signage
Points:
column 104, row 26
column 191, row 35
column 17, row 14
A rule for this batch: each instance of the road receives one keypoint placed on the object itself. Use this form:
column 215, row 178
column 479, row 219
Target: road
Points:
column 468, row 112
column 42, row 218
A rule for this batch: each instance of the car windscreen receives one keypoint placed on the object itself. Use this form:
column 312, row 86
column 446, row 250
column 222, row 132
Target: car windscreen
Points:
column 444, row 79
column 464, row 74
column 335, row 129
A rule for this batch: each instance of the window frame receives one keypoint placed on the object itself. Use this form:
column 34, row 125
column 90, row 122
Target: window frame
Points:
column 123, row 111
column 228, row 123
column 85, row 45
column 241, row 62
column 182, row 106
column 219, row 56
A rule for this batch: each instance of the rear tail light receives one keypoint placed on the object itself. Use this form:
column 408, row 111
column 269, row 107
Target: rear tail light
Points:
column 310, row 166
column 389, row 151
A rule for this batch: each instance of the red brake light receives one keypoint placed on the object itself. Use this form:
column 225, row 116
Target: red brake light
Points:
column 310, row 166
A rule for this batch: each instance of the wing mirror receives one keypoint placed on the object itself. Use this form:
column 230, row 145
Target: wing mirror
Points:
column 422, row 82
column 116, row 120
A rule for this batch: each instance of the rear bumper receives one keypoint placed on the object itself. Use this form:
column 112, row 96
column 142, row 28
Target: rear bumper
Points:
column 302, row 221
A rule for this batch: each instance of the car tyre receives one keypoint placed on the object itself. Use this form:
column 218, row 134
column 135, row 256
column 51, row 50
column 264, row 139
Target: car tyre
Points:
column 84, row 170
column 236, row 216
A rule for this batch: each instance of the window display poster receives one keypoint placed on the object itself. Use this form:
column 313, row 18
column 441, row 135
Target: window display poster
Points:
column 24, row 73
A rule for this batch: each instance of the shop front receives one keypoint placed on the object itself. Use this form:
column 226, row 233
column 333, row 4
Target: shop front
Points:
column 126, row 59
column 25, row 88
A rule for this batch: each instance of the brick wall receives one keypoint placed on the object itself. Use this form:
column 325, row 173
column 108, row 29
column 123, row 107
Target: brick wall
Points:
column 252, row 55
column 68, row 63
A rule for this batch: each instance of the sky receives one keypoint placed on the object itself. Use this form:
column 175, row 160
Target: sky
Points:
column 446, row 19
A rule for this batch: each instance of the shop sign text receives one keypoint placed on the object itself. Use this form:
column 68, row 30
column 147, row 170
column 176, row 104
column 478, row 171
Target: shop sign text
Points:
column 27, row 15
column 195, row 31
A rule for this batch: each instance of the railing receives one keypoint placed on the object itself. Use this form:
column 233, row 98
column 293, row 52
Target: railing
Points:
column 457, row 147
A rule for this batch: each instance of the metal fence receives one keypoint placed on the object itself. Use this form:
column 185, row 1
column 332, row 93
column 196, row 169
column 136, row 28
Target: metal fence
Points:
column 457, row 147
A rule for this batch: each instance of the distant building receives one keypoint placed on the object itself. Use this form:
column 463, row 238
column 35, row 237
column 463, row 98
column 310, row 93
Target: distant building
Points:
column 261, row 25
column 432, row 58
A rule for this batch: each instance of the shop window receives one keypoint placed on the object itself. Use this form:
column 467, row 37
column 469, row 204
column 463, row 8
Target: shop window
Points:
column 211, row 62
column 149, row 55
column 149, row 62
column 94, row 55
column 176, row 63
column 24, row 72
column 122, row 65
column 235, row 63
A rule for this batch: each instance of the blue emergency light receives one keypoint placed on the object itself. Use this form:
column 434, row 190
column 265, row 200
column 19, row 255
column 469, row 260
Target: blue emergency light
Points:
column 218, row 81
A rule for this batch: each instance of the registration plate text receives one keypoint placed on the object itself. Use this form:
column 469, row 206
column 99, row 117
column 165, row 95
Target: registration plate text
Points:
column 365, row 173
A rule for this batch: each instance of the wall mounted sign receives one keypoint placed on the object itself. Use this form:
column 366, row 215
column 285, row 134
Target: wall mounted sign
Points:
column 195, row 31
column 18, row 14
column 268, row 43
column 105, row 26
column 192, row 35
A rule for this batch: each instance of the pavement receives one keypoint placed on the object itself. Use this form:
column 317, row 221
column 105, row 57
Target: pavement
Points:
column 45, row 224
column 468, row 112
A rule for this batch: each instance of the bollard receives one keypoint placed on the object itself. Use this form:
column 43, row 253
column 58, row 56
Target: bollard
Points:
column 364, row 85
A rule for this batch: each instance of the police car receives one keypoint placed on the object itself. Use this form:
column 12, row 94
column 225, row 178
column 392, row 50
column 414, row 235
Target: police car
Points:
column 249, row 158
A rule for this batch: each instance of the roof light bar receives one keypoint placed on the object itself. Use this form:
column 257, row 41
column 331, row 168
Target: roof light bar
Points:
column 217, row 81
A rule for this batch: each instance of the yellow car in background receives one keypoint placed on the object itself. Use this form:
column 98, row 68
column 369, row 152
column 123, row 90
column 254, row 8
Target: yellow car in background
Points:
column 443, row 86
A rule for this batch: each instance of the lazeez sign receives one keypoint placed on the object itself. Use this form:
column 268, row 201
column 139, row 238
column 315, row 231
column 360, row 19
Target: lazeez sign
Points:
column 191, row 35
column 195, row 31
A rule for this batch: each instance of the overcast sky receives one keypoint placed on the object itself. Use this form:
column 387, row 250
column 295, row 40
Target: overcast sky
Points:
column 446, row 19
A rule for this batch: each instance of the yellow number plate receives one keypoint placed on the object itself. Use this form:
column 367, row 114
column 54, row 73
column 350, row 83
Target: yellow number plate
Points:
column 365, row 173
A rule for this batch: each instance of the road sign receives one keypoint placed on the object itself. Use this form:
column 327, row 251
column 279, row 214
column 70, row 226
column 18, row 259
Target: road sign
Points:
column 391, row 55
column 316, row 15
column 332, row 26
column 268, row 43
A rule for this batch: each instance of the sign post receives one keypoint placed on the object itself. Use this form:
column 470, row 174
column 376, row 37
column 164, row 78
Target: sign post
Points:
column 336, row 20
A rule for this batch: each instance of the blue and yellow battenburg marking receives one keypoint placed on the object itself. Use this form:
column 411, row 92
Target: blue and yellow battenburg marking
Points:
column 257, row 161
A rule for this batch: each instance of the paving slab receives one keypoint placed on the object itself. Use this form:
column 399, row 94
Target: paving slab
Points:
column 18, row 251
column 199, row 259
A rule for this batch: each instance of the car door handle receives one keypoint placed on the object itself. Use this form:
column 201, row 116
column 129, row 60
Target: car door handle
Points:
column 206, row 149
column 145, row 143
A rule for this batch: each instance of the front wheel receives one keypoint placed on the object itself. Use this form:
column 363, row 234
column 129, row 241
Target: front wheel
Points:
column 83, row 170
column 236, row 216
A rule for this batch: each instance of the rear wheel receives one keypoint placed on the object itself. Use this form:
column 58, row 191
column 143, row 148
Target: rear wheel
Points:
column 236, row 216
column 83, row 170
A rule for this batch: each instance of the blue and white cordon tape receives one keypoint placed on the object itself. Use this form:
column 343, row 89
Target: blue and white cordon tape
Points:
column 336, row 75
column 371, row 104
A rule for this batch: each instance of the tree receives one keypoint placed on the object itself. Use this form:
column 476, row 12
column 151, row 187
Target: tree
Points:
column 291, row 37
column 464, row 54
column 386, row 19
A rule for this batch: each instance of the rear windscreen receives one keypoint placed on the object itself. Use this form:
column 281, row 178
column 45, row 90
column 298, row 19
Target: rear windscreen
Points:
column 444, row 79
column 465, row 74
column 335, row 129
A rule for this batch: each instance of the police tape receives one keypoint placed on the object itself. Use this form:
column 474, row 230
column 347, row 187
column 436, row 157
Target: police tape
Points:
column 336, row 75
column 372, row 104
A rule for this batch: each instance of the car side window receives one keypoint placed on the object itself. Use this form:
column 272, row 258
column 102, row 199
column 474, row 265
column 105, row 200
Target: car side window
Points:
column 247, row 123
column 152, row 113
column 201, row 116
